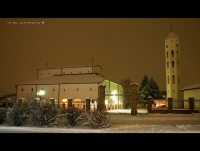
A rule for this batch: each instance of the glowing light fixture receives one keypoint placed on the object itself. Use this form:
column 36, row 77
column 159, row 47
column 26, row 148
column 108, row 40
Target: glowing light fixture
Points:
column 40, row 94
column 64, row 100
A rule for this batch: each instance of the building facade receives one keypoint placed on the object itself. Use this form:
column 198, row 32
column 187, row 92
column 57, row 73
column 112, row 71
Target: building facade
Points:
column 192, row 91
column 76, row 83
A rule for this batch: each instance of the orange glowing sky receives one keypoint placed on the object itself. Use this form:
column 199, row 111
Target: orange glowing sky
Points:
column 123, row 47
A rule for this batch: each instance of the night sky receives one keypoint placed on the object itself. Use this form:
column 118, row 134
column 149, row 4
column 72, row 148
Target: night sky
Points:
column 123, row 47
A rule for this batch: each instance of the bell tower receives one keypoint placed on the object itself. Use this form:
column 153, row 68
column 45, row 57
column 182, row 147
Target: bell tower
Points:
column 172, row 61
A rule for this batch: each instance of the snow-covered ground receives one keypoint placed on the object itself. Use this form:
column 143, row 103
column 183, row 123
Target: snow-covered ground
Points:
column 123, row 122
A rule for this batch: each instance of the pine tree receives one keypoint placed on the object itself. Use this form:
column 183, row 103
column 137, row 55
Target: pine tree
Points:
column 144, row 82
column 154, row 89
column 144, row 93
column 149, row 88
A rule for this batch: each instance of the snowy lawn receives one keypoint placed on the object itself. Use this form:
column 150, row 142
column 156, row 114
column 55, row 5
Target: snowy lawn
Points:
column 123, row 122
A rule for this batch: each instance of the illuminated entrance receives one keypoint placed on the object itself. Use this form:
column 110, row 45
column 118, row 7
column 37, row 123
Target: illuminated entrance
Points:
column 79, row 103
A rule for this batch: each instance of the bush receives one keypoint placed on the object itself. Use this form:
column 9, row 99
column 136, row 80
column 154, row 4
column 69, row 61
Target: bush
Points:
column 42, row 114
column 16, row 114
column 2, row 115
column 98, row 119
column 71, row 116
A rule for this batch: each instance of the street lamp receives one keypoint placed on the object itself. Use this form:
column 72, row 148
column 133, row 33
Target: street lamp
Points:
column 40, row 94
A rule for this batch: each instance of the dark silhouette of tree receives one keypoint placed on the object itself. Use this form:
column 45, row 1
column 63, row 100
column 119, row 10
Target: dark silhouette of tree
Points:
column 125, row 83
column 7, row 96
column 154, row 89
column 144, row 82
column 164, row 94
column 149, row 88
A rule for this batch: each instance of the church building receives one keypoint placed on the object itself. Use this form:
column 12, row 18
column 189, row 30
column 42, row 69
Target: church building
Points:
column 76, row 83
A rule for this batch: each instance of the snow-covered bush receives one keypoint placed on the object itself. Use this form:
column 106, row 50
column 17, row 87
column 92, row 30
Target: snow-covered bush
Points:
column 42, row 114
column 2, row 115
column 16, row 114
column 71, row 116
column 97, row 119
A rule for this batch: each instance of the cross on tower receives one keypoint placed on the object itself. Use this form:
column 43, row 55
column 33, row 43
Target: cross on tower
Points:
column 46, row 64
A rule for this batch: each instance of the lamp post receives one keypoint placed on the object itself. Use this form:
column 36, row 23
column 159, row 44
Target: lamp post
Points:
column 40, row 94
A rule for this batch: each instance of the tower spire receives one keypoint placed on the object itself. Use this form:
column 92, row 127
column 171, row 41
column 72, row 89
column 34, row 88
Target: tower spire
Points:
column 47, row 64
column 92, row 61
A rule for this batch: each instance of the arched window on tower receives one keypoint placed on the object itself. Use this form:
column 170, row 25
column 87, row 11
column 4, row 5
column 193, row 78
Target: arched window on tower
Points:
column 172, row 53
column 177, row 64
column 167, row 54
column 172, row 64
column 167, row 79
column 173, row 79
column 167, row 64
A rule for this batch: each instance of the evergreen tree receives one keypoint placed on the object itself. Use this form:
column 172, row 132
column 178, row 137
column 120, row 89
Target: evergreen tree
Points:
column 149, row 88
column 154, row 89
column 144, row 93
column 144, row 82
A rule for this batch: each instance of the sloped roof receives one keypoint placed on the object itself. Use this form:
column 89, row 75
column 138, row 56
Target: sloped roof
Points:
column 72, row 67
column 194, row 86
column 172, row 35
column 70, row 79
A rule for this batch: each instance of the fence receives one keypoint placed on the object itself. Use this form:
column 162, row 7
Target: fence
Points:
column 197, row 104
column 175, row 106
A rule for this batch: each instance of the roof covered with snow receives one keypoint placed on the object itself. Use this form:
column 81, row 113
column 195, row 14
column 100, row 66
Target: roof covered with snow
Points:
column 194, row 86
column 80, row 66
column 70, row 79
column 172, row 35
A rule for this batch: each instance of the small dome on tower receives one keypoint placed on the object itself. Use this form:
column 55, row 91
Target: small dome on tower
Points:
column 172, row 35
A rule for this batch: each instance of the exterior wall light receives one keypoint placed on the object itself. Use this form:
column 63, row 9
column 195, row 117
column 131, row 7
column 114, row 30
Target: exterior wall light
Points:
column 40, row 94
